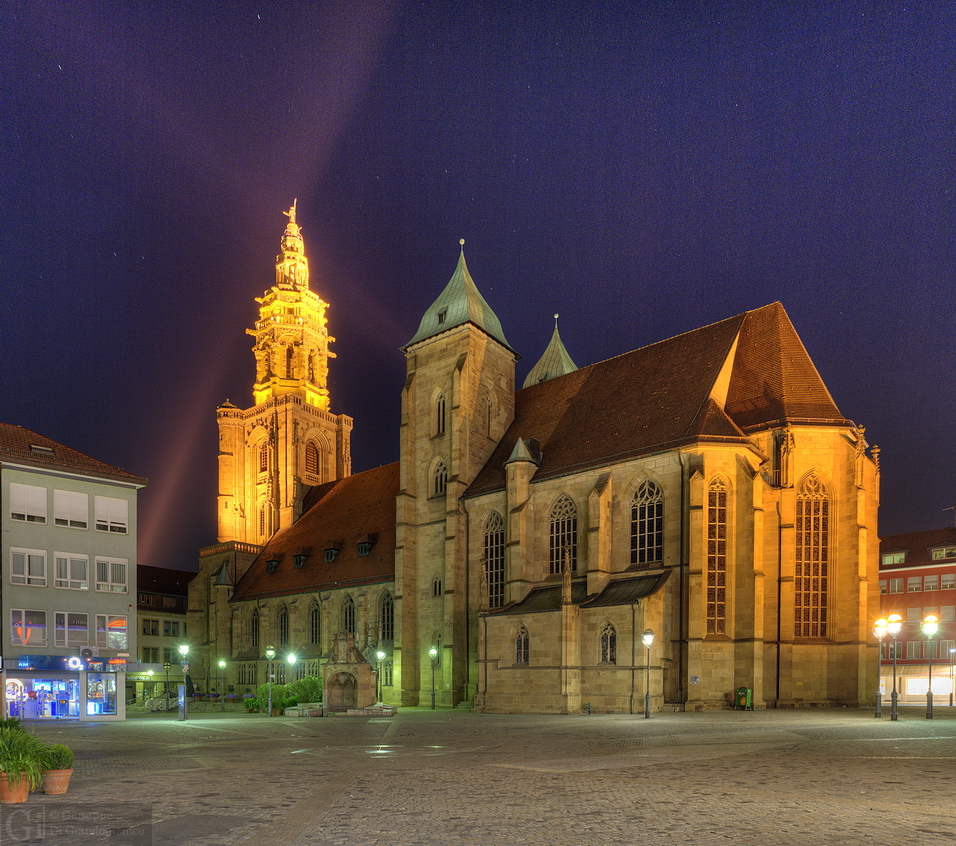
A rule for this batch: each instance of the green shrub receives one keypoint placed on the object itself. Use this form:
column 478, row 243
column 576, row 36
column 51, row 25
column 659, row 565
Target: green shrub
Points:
column 308, row 689
column 56, row 756
column 21, row 754
column 10, row 723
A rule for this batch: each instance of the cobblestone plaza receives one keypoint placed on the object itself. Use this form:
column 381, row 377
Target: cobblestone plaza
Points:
column 453, row 777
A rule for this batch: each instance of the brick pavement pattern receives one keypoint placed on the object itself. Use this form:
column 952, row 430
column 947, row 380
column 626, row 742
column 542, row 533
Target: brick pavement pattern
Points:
column 424, row 778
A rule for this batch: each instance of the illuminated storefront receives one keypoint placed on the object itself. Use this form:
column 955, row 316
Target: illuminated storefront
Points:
column 52, row 687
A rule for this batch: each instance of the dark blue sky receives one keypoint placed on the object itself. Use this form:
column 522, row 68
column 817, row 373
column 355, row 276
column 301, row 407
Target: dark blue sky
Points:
column 640, row 168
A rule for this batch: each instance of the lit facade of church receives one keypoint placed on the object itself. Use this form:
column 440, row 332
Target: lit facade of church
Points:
column 705, row 487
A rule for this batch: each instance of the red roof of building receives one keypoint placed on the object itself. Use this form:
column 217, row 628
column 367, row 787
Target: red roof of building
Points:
column 659, row 397
column 917, row 546
column 358, row 509
column 35, row 450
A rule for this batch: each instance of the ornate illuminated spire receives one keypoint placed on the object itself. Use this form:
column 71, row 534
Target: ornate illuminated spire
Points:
column 292, row 342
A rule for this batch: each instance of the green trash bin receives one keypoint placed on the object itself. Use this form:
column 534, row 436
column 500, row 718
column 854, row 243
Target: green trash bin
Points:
column 744, row 699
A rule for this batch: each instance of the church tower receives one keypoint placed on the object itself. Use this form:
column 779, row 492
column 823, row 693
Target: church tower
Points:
column 288, row 440
column 457, row 403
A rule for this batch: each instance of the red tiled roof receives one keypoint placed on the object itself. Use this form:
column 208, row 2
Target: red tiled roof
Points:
column 353, row 509
column 917, row 545
column 16, row 443
column 658, row 397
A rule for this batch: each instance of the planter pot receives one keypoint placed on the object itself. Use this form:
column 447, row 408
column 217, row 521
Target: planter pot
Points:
column 56, row 781
column 14, row 794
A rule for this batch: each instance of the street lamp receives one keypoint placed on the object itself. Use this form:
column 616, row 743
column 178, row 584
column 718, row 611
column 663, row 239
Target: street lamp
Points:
column 879, row 629
column 167, row 667
column 291, row 658
column 434, row 653
column 893, row 625
column 222, row 684
column 378, row 675
column 647, row 639
column 270, row 654
column 149, row 678
column 930, row 626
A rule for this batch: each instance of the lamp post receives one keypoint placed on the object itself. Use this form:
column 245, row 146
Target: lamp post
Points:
column 378, row 675
column 166, row 667
column 149, row 679
column 222, row 685
column 434, row 654
column 647, row 639
column 893, row 625
column 952, row 651
column 930, row 626
column 183, row 652
column 270, row 654
column 879, row 629
column 291, row 658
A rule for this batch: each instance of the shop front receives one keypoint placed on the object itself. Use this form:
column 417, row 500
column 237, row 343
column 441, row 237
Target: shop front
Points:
column 51, row 687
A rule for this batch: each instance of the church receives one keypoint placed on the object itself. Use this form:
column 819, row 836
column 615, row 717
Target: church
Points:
column 660, row 530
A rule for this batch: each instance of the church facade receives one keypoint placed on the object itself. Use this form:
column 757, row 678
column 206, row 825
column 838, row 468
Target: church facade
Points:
column 704, row 490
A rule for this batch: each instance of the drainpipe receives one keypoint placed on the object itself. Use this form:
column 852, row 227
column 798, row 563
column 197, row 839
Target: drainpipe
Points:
column 779, row 599
column 633, row 652
column 682, row 587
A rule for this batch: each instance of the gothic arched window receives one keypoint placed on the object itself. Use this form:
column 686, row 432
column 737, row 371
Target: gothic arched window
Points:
column 495, row 560
column 608, row 645
column 289, row 363
column 521, row 646
column 311, row 459
column 282, row 625
column 440, row 415
column 717, row 557
column 812, row 562
column 647, row 525
column 348, row 615
column 263, row 456
column 315, row 631
column 254, row 627
column 387, row 617
column 563, row 524
column 441, row 478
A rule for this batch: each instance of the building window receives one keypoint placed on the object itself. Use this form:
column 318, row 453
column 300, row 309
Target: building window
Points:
column 170, row 628
column 947, row 581
column 947, row 614
column 440, row 415
column 893, row 558
column 387, row 614
column 289, row 363
column 71, row 629
column 912, row 649
column 931, row 583
column 279, row 669
column 282, row 625
column 563, row 530
column 27, row 503
column 914, row 584
column 72, row 572
column 112, row 515
column 263, row 456
column 71, row 509
column 28, row 567
column 150, row 627
column 929, row 649
column 945, row 646
column 882, row 585
column 436, row 586
column 914, row 615
column 311, row 460
column 348, row 615
column 111, row 631
column 521, row 646
column 254, row 627
column 315, row 631
column 387, row 674
column 947, row 552
column 27, row 628
column 811, row 571
column 647, row 525
column 717, row 557
column 495, row 560
column 150, row 654
column 111, row 575
column 440, row 479
column 896, row 585
column 608, row 645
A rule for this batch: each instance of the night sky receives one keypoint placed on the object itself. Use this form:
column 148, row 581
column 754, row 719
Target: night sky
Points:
column 641, row 168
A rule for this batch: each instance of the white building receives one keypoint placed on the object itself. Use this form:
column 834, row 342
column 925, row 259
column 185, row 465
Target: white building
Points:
column 68, row 553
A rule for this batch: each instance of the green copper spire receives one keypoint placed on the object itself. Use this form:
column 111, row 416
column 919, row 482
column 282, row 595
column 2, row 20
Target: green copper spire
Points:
column 459, row 303
column 555, row 361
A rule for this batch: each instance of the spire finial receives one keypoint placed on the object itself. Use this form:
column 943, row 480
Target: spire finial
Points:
column 556, row 321
column 462, row 242
column 291, row 212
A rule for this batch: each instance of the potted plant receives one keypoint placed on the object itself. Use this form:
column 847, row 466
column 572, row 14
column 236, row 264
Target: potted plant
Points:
column 21, row 770
column 57, row 763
